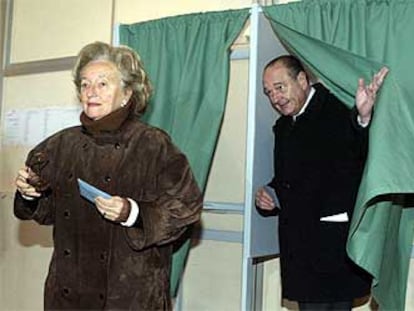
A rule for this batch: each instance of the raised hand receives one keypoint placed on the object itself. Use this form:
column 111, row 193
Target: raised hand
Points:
column 366, row 94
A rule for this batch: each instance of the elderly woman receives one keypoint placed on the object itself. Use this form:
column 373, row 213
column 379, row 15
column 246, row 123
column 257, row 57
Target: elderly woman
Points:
column 111, row 253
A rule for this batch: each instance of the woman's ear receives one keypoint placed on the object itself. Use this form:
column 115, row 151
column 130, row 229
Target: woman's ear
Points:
column 127, row 94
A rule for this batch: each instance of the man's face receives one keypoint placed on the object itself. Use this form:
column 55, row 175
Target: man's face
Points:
column 286, row 94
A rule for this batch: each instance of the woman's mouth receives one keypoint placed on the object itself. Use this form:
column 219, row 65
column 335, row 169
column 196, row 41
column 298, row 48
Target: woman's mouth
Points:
column 93, row 104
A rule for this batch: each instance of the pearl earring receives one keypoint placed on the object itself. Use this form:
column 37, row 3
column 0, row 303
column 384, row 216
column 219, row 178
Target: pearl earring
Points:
column 124, row 102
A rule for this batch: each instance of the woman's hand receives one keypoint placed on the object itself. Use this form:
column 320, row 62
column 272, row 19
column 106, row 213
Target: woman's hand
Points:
column 22, row 184
column 116, row 209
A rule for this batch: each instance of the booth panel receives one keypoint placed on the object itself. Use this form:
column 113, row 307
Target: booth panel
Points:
column 263, row 237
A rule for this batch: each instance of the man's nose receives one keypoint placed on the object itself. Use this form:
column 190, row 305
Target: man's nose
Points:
column 275, row 96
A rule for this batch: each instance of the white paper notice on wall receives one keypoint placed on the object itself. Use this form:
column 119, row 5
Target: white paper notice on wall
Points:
column 28, row 127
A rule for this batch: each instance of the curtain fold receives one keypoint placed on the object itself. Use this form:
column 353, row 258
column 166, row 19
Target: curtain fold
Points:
column 340, row 41
column 187, row 58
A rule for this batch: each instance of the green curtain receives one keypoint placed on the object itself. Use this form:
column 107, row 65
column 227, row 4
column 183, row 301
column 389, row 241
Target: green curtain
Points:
column 340, row 41
column 187, row 58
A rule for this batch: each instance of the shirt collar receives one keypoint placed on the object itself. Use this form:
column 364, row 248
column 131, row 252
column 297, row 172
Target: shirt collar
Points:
column 310, row 95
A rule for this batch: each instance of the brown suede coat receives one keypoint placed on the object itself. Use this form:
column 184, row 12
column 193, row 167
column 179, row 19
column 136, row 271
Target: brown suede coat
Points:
column 98, row 264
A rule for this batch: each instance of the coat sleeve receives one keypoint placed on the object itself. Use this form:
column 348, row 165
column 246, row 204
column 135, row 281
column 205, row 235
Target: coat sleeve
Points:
column 347, row 154
column 176, row 202
column 40, row 209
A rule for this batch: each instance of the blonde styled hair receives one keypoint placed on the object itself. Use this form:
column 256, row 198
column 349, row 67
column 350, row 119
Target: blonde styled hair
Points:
column 129, row 65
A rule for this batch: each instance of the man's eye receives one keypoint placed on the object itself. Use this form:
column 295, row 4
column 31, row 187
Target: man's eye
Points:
column 84, row 85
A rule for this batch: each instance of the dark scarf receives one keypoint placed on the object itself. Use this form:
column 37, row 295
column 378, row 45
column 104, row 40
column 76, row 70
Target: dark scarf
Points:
column 109, row 123
column 108, row 128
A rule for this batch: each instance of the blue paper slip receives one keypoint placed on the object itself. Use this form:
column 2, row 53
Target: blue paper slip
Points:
column 273, row 195
column 90, row 192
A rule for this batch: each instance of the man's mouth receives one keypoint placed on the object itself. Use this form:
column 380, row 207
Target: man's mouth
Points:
column 282, row 104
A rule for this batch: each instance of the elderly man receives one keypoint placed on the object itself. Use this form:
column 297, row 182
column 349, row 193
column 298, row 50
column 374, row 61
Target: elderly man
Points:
column 319, row 156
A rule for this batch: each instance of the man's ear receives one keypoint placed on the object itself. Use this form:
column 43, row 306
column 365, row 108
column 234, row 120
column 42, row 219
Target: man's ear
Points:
column 302, row 79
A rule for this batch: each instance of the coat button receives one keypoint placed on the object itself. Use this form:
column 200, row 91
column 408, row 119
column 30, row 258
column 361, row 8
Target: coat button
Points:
column 103, row 256
column 67, row 252
column 117, row 146
column 101, row 296
column 285, row 185
column 66, row 213
column 65, row 291
column 107, row 178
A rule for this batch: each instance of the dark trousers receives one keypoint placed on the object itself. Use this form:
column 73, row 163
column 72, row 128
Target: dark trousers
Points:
column 325, row 306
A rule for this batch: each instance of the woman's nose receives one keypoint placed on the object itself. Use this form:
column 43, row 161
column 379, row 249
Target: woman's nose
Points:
column 91, row 91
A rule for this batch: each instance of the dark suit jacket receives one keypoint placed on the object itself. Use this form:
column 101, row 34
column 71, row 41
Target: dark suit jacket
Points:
column 319, row 161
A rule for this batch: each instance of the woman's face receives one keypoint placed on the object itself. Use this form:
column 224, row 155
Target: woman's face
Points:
column 101, row 91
